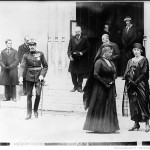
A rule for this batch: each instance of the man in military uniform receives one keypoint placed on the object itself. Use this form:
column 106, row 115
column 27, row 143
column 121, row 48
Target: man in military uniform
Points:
column 36, row 65
column 24, row 48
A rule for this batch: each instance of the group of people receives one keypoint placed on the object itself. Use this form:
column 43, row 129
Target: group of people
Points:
column 99, row 93
column 78, row 51
column 32, row 70
column 124, row 38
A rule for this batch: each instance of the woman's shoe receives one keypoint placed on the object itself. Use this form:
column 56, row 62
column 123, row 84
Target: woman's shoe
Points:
column 135, row 127
column 13, row 99
column 147, row 129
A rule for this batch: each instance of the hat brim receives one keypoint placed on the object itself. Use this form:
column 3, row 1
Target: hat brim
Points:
column 33, row 43
column 127, row 19
column 107, row 45
column 138, row 45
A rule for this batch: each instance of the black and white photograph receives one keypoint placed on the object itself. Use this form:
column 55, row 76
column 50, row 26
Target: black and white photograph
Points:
column 75, row 73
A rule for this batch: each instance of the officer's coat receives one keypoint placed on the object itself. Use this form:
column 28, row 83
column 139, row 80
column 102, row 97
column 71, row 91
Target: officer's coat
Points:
column 36, row 65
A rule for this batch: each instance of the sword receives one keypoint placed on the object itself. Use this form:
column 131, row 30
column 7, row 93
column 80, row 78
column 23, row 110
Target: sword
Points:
column 42, row 83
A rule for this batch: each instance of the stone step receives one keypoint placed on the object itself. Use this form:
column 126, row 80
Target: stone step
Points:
column 59, row 98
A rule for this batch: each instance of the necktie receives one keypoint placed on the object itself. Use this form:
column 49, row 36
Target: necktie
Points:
column 127, row 29
column 8, row 51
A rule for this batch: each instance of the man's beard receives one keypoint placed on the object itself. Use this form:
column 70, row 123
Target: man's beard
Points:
column 32, row 50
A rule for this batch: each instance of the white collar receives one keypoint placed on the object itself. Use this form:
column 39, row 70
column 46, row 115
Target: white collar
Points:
column 107, row 61
column 137, row 59
column 129, row 26
column 78, row 37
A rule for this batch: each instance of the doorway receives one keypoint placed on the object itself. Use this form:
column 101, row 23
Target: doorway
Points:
column 92, row 16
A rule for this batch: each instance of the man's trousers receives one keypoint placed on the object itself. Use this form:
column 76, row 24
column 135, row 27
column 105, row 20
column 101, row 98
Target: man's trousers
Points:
column 10, row 92
column 24, row 86
column 30, row 86
column 77, row 79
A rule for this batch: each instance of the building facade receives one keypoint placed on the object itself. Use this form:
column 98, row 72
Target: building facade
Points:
column 52, row 23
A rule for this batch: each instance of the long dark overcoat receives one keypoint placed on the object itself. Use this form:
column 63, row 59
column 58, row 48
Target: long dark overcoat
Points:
column 9, row 77
column 80, row 64
column 128, row 38
column 21, row 51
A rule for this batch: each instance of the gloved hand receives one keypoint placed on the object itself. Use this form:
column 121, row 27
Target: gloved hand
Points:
column 81, row 53
column 77, row 53
column 71, row 58
column 107, row 86
column 20, row 79
column 7, row 68
column 41, row 78
column 112, row 82
column 102, row 81
column 133, row 83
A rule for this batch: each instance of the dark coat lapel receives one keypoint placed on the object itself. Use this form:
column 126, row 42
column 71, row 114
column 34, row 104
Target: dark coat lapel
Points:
column 79, row 42
column 25, row 46
column 10, row 51
column 6, row 52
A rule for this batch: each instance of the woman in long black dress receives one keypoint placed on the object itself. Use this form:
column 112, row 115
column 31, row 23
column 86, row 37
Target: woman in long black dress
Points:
column 99, row 93
column 137, row 88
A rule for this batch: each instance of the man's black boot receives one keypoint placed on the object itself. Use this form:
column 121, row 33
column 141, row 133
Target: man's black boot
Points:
column 74, row 89
column 29, row 108
column 36, row 114
column 28, row 116
column 80, row 89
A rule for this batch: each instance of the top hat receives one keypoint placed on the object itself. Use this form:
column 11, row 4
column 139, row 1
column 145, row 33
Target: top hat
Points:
column 127, row 18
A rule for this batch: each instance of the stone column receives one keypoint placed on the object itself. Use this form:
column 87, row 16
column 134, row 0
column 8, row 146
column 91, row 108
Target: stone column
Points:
column 146, row 40
column 59, row 16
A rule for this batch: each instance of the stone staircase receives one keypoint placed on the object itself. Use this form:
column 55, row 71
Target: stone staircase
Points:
column 58, row 96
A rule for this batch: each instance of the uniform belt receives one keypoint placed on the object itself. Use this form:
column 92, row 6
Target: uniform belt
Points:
column 35, row 68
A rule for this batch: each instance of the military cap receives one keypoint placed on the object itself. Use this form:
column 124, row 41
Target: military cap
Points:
column 32, row 43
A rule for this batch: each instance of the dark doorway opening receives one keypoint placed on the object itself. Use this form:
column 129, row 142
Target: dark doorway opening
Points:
column 92, row 16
